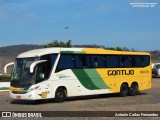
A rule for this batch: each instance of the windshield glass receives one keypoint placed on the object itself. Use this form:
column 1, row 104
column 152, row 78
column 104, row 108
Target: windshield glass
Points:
column 43, row 70
column 21, row 75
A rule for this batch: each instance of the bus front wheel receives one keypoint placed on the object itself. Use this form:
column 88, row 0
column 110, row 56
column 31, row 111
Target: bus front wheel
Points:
column 123, row 90
column 60, row 95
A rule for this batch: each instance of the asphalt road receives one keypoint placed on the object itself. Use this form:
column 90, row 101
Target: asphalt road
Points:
column 148, row 100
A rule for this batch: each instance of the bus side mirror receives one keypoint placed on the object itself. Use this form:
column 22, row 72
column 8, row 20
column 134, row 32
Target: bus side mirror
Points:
column 5, row 67
column 36, row 63
column 41, row 76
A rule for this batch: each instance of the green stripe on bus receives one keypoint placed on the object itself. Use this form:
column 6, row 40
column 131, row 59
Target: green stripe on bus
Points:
column 84, row 79
column 96, row 78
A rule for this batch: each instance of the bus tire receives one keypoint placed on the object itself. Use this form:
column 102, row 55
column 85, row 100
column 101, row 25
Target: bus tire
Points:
column 60, row 95
column 133, row 89
column 124, row 90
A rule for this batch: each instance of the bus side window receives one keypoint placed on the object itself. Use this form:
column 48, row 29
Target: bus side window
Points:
column 49, row 63
column 94, row 63
column 144, row 61
column 138, row 61
column 86, row 61
column 78, row 61
column 133, row 61
column 126, row 61
column 43, row 69
column 41, row 72
column 101, row 61
column 65, row 62
column 121, row 61
column 112, row 61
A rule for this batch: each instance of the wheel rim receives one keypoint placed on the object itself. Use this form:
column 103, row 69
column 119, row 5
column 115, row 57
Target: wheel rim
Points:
column 60, row 95
column 134, row 88
column 124, row 90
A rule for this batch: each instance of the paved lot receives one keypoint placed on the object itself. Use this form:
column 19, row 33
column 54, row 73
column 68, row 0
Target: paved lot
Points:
column 148, row 100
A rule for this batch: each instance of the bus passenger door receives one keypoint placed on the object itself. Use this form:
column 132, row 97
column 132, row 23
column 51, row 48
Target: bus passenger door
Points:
column 43, row 84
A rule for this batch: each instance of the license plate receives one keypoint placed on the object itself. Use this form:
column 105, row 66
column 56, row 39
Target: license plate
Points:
column 18, row 97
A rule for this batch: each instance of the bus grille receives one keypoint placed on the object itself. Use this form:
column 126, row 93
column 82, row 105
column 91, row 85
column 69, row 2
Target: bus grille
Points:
column 19, row 92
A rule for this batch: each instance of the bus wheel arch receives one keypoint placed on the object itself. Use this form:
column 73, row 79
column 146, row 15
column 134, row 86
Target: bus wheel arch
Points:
column 133, row 89
column 60, row 94
column 124, row 89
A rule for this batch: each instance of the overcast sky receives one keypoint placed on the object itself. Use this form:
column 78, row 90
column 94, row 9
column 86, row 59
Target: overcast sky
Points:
column 103, row 22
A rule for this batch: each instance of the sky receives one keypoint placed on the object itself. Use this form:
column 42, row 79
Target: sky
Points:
column 109, row 23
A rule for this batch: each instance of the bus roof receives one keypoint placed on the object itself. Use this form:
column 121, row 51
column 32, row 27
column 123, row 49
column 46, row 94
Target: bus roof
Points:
column 44, row 51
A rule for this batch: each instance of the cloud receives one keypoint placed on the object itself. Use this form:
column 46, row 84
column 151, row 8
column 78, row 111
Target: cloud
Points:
column 3, row 16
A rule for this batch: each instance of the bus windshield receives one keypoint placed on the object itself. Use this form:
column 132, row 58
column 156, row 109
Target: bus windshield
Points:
column 21, row 75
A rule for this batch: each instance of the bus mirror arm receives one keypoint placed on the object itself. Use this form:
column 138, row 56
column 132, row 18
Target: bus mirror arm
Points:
column 5, row 67
column 36, row 63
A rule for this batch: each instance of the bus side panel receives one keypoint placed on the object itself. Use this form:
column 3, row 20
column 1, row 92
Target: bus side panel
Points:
column 79, row 82
column 44, row 90
column 145, row 83
column 66, row 78
column 100, row 81
column 142, row 76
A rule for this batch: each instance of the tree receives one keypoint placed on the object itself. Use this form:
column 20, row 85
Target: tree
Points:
column 118, row 48
column 133, row 50
column 69, row 43
column 57, row 43
column 125, row 49
column 112, row 48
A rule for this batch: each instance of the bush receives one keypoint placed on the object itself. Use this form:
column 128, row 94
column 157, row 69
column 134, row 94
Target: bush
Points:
column 4, row 88
column 57, row 43
column 5, row 78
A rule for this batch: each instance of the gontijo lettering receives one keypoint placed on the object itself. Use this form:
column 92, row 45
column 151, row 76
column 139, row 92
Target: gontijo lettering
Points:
column 120, row 72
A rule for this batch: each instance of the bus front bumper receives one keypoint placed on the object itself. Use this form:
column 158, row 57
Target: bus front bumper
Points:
column 25, row 96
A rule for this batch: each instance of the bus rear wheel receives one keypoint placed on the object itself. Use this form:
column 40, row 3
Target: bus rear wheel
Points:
column 133, row 89
column 123, row 90
column 60, row 95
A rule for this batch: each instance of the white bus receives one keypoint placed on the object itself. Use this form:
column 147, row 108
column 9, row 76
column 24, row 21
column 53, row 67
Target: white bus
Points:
column 63, row 72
